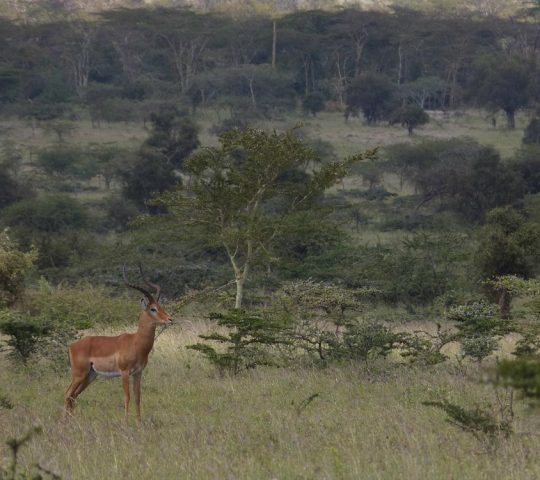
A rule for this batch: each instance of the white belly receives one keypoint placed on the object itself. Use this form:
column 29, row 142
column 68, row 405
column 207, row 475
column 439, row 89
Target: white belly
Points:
column 112, row 373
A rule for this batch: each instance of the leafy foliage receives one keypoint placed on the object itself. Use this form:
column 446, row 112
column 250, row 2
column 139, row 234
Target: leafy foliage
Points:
column 313, row 103
column 173, row 137
column 246, row 342
column 14, row 265
column 372, row 93
column 53, row 224
column 363, row 342
column 479, row 346
column 502, row 82
column 509, row 244
column 487, row 425
column 478, row 325
column 465, row 176
column 522, row 374
column 410, row 117
column 25, row 334
column 532, row 132
column 240, row 194
column 477, row 318
column 51, row 317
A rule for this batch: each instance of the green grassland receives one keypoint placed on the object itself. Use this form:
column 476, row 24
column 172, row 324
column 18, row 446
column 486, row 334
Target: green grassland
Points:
column 360, row 422
column 302, row 422
column 346, row 137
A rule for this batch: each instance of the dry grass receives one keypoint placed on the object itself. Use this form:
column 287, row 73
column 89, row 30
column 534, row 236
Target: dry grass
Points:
column 199, row 425
column 347, row 137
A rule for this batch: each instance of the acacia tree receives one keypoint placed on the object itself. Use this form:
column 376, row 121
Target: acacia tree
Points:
column 503, row 83
column 410, row 117
column 372, row 93
column 240, row 194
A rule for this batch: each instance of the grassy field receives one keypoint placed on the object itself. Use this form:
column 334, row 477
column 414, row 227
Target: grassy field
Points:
column 346, row 137
column 340, row 422
column 197, row 424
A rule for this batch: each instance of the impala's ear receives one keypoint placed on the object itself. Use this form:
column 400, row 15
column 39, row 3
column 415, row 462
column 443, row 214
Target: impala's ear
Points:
column 144, row 303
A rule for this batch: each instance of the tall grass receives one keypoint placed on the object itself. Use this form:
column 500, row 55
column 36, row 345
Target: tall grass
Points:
column 340, row 422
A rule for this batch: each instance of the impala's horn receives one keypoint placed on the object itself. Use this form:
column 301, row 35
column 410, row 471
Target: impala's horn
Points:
column 145, row 292
column 156, row 287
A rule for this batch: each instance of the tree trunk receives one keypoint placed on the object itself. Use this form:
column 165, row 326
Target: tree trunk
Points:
column 505, row 299
column 306, row 76
column 274, row 38
column 252, row 93
column 240, row 280
column 510, row 119
column 400, row 65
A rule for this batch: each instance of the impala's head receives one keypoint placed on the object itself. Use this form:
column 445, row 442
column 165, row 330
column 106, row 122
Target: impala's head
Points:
column 156, row 311
column 150, row 302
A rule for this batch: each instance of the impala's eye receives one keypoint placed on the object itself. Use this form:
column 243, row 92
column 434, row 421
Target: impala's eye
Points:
column 153, row 309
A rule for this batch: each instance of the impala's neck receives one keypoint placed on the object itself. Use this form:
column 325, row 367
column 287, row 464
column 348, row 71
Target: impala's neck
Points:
column 146, row 331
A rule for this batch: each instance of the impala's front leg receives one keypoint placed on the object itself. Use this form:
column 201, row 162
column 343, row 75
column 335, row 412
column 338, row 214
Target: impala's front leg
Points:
column 125, row 384
column 137, row 392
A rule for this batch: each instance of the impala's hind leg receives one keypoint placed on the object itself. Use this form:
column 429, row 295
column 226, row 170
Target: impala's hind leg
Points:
column 77, row 386
column 69, row 397
column 92, row 375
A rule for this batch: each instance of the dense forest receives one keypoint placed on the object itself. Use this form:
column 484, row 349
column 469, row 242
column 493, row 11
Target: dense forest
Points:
column 345, row 188
column 130, row 57
column 160, row 67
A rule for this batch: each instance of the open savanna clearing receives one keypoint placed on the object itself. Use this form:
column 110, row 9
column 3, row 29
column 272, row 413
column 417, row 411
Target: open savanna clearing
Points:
column 346, row 137
column 345, row 421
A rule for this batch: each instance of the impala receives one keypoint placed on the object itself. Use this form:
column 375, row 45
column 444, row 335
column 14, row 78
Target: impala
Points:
column 119, row 356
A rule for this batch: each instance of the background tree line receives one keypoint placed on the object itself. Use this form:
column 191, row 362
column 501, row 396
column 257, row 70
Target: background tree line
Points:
column 118, row 64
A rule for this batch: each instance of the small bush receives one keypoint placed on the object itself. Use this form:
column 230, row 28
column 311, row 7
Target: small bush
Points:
column 5, row 402
column 529, row 344
column 25, row 334
column 364, row 342
column 81, row 306
column 51, row 317
column 424, row 347
column 247, row 342
column 14, row 265
column 479, row 326
column 522, row 374
column 313, row 103
column 479, row 347
column 478, row 318
column 488, row 424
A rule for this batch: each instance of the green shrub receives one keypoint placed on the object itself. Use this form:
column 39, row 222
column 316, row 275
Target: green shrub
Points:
column 25, row 334
column 522, row 374
column 409, row 117
column 5, row 402
column 424, row 347
column 247, row 342
column 81, row 306
column 529, row 344
column 489, row 425
column 14, row 265
column 364, row 342
column 313, row 103
column 51, row 317
column 479, row 347
column 50, row 214
column 478, row 318
column 531, row 135
column 478, row 325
